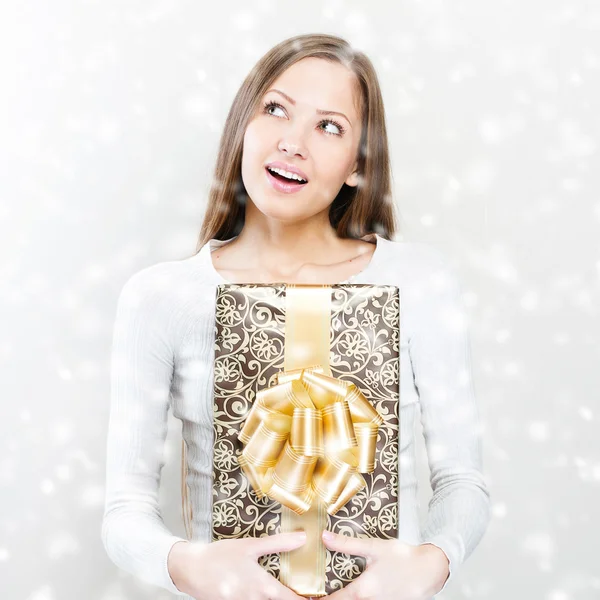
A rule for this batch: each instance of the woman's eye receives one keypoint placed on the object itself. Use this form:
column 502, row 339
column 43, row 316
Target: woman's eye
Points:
column 332, row 124
column 340, row 130
column 275, row 105
column 271, row 105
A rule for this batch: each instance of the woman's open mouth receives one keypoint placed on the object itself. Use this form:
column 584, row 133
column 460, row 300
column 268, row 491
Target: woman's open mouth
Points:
column 282, row 183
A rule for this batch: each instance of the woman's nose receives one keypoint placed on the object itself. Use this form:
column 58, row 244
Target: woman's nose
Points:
column 292, row 148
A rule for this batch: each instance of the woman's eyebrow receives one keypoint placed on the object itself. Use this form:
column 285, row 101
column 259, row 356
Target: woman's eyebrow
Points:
column 319, row 111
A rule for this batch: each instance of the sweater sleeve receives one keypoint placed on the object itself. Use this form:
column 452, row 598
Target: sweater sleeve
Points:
column 133, row 532
column 439, row 349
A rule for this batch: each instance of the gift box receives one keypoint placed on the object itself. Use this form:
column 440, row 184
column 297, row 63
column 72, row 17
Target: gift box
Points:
column 306, row 411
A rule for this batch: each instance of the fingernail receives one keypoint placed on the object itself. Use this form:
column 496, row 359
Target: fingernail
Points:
column 327, row 535
column 301, row 535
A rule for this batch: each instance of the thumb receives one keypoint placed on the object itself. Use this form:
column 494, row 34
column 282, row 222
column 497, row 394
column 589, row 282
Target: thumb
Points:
column 348, row 591
column 279, row 542
column 348, row 544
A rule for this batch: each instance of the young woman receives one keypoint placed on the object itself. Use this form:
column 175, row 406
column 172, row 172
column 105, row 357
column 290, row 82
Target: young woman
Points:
column 302, row 194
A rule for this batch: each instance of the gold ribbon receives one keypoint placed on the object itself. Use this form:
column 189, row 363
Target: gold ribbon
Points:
column 309, row 438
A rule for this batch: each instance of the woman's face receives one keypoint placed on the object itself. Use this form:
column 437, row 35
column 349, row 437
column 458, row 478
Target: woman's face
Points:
column 287, row 128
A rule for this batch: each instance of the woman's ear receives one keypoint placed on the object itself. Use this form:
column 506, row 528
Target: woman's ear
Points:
column 352, row 179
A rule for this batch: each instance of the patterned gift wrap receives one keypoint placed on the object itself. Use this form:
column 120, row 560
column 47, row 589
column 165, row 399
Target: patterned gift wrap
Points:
column 269, row 335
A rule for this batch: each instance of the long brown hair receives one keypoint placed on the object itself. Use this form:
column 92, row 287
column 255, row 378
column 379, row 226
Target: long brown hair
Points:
column 355, row 211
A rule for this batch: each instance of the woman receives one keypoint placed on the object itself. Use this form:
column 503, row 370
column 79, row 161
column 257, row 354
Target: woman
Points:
column 301, row 195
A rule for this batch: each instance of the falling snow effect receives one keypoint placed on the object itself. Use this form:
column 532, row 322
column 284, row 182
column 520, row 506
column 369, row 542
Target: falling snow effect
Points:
column 112, row 118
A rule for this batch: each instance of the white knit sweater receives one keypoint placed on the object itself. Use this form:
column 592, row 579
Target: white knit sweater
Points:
column 163, row 357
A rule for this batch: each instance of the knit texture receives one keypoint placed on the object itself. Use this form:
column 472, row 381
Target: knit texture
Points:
column 162, row 359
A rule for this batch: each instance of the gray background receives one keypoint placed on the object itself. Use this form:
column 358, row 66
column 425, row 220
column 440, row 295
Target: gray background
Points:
column 110, row 117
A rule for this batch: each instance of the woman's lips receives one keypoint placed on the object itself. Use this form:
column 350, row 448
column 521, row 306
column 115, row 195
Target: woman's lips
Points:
column 283, row 186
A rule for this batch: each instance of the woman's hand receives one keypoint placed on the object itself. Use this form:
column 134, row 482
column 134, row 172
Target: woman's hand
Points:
column 229, row 569
column 395, row 570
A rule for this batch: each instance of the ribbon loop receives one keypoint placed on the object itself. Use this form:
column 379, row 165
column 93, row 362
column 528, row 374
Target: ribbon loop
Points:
column 308, row 438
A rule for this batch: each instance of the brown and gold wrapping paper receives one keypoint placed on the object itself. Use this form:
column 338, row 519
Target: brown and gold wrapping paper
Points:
column 306, row 409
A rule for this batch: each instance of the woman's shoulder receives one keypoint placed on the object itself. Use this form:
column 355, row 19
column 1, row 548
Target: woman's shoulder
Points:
column 169, row 298
column 430, row 289
column 415, row 260
column 166, row 282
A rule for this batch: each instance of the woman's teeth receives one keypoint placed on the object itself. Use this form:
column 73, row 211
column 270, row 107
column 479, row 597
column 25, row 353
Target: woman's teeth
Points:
column 287, row 174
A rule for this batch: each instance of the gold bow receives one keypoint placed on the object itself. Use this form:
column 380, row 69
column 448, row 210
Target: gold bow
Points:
column 308, row 436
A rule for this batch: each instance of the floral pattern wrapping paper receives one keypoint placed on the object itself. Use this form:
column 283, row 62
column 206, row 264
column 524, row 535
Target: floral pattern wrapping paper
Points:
column 249, row 351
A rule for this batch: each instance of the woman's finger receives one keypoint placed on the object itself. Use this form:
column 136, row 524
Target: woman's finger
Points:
column 275, row 590
column 349, row 545
column 349, row 592
column 279, row 542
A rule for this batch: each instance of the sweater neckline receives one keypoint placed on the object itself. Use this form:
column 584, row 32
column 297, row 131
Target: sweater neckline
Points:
column 213, row 244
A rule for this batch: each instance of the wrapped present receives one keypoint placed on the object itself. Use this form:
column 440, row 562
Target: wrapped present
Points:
column 306, row 410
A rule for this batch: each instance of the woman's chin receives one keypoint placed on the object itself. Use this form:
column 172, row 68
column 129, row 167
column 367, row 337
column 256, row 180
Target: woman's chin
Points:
column 288, row 211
